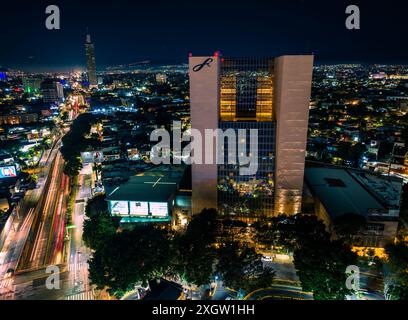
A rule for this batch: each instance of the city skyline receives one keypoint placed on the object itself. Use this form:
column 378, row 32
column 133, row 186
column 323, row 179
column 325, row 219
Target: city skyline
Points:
column 127, row 32
column 203, row 151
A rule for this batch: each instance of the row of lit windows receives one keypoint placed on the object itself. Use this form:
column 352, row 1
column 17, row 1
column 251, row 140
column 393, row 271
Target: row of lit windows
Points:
column 243, row 98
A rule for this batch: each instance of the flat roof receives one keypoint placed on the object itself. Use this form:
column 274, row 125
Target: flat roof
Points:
column 151, row 186
column 340, row 192
column 151, row 189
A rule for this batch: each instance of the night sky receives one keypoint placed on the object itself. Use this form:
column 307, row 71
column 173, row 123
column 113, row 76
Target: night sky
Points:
column 166, row 31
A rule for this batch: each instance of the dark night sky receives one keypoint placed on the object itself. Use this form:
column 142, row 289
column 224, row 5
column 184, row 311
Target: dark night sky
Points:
column 166, row 31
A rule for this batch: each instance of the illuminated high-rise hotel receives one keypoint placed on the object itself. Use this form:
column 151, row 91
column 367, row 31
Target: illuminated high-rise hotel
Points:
column 90, row 62
column 270, row 95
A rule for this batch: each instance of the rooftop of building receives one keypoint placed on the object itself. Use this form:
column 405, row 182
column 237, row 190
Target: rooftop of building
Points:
column 387, row 189
column 156, row 185
column 344, row 190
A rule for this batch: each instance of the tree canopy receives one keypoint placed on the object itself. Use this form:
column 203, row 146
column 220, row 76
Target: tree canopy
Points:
column 321, row 268
column 241, row 268
column 320, row 262
column 396, row 282
column 349, row 225
column 99, row 226
column 194, row 249
column 75, row 142
column 130, row 257
column 123, row 259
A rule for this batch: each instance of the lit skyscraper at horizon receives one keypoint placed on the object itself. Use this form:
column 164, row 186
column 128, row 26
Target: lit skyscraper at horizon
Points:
column 90, row 62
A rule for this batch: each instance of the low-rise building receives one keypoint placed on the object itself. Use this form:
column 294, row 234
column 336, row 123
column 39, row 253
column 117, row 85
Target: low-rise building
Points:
column 340, row 191
column 18, row 118
column 157, row 195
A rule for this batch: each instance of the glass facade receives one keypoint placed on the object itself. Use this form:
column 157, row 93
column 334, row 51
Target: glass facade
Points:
column 246, row 102
column 246, row 90
column 90, row 61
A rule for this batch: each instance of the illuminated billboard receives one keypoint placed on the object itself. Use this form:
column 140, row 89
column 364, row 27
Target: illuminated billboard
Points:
column 8, row 172
column 133, row 154
column 139, row 208
column 92, row 156
column 159, row 209
column 119, row 208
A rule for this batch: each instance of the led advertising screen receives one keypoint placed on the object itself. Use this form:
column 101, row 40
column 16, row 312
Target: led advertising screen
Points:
column 92, row 157
column 8, row 172
column 159, row 209
column 133, row 154
column 139, row 208
column 119, row 208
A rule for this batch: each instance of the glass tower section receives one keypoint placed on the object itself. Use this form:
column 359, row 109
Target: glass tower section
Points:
column 246, row 102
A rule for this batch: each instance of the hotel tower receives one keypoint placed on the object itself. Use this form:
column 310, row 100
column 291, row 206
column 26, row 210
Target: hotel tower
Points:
column 90, row 62
column 270, row 95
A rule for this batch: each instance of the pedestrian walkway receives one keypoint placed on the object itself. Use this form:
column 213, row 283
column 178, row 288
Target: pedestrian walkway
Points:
column 77, row 266
column 86, row 295
column 5, row 283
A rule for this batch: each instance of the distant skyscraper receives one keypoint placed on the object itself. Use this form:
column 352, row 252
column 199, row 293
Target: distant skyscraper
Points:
column 270, row 95
column 90, row 62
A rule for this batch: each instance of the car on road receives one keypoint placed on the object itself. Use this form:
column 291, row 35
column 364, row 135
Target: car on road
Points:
column 266, row 258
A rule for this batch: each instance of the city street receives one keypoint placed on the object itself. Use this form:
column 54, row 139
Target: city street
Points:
column 44, row 244
column 223, row 293
column 78, row 282
column 279, row 292
column 36, row 239
column 22, row 227
column 284, row 268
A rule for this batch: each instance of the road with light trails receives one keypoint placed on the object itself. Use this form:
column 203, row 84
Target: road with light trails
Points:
column 45, row 242
column 221, row 292
column 37, row 238
column 279, row 292
column 45, row 245
column 21, row 228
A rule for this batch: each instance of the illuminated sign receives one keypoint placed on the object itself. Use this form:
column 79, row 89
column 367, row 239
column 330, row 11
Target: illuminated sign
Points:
column 159, row 209
column 92, row 157
column 206, row 62
column 133, row 154
column 119, row 208
column 8, row 172
column 139, row 208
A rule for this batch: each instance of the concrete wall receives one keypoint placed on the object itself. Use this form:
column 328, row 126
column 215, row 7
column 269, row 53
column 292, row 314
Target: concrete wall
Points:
column 361, row 239
column 204, row 100
column 386, row 236
column 292, row 80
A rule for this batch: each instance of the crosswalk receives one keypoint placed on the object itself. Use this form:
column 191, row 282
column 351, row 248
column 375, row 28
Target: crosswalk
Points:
column 5, row 283
column 77, row 266
column 7, row 296
column 86, row 295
